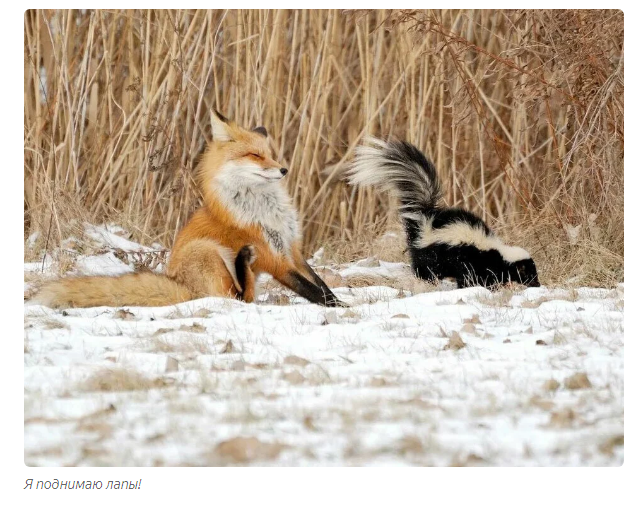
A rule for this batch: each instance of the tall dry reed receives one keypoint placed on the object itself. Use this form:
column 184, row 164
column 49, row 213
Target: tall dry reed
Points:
column 521, row 111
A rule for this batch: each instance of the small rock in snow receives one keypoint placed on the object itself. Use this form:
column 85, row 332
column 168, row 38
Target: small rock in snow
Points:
column 228, row 348
column 124, row 314
column 551, row 385
column 468, row 328
column 294, row 377
column 578, row 381
column 455, row 342
column 295, row 360
column 171, row 365
column 245, row 449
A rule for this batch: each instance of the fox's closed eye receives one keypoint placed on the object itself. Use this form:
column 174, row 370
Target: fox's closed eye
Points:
column 255, row 155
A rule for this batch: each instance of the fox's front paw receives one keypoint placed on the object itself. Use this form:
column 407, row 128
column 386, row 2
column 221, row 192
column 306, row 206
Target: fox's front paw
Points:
column 336, row 302
column 248, row 253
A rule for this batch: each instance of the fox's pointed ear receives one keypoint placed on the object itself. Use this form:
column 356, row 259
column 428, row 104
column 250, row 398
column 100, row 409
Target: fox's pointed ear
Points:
column 221, row 117
column 261, row 131
column 220, row 129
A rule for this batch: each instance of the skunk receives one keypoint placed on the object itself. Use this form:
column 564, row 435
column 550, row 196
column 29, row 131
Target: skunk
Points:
column 442, row 241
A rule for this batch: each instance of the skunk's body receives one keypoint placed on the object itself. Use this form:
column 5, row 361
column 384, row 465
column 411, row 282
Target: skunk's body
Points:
column 442, row 241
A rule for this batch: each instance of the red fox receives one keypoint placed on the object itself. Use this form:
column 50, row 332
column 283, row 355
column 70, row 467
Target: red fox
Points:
column 247, row 225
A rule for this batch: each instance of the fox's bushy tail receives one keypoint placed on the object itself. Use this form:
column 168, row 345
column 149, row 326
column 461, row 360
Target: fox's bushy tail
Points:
column 145, row 289
column 401, row 168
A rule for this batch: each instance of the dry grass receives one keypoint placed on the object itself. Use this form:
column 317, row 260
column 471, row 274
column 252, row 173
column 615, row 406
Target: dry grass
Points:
column 186, row 344
column 388, row 244
column 522, row 112
column 53, row 324
column 118, row 379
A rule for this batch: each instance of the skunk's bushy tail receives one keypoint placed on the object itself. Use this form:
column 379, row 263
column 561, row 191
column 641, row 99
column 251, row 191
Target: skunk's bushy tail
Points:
column 401, row 168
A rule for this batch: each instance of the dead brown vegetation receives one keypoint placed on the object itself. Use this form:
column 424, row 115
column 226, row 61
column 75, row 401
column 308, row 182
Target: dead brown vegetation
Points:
column 118, row 379
column 521, row 111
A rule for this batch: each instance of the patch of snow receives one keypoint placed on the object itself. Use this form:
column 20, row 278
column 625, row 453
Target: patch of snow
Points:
column 103, row 264
column 109, row 236
column 37, row 266
column 374, row 384
column 31, row 240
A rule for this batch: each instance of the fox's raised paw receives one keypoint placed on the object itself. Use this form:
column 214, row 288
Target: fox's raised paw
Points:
column 248, row 253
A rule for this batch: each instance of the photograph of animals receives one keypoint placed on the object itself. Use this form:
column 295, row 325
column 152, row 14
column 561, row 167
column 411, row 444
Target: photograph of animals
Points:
column 273, row 237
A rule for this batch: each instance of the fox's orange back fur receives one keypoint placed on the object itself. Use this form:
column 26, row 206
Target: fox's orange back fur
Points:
column 247, row 225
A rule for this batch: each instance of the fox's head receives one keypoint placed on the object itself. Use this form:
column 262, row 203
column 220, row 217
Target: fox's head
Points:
column 239, row 156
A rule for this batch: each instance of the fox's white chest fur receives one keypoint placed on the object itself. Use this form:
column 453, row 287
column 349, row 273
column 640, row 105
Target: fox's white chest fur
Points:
column 267, row 205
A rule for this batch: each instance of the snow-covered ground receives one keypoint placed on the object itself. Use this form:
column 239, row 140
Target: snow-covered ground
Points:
column 443, row 377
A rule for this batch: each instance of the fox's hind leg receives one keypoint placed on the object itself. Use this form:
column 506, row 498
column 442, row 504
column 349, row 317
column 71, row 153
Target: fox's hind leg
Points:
column 246, row 277
column 205, row 268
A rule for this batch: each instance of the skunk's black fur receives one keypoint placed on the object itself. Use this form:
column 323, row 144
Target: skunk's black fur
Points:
column 442, row 241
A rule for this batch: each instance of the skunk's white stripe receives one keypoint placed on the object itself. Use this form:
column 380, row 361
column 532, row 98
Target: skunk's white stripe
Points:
column 512, row 253
column 453, row 234
column 460, row 232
